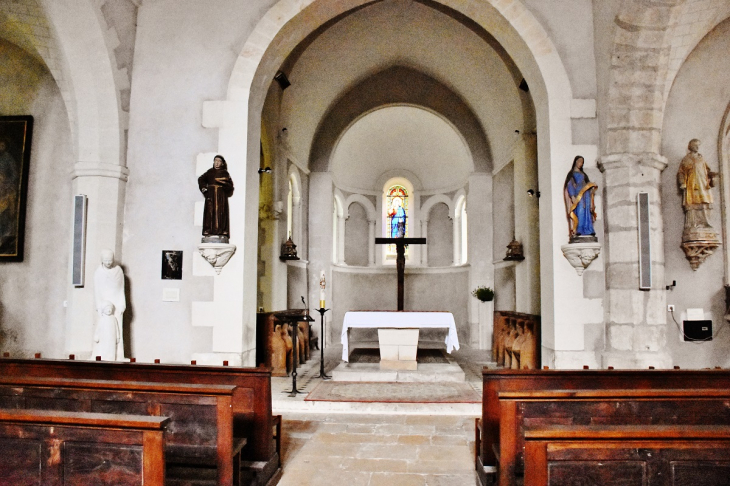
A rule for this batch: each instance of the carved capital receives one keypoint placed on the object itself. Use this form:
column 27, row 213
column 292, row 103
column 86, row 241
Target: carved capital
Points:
column 581, row 255
column 217, row 254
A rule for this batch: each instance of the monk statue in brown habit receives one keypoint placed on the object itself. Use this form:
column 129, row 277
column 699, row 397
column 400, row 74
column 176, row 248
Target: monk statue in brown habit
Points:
column 217, row 186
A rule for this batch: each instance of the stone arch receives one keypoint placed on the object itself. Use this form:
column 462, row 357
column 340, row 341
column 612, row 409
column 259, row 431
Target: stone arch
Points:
column 431, row 201
column 652, row 41
column 286, row 25
column 362, row 201
column 371, row 215
column 723, row 151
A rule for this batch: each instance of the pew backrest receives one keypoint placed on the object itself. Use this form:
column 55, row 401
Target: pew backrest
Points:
column 69, row 448
column 520, row 410
column 659, row 455
column 252, row 413
column 498, row 380
column 200, row 429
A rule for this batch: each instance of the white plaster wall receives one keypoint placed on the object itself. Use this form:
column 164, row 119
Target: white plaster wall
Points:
column 695, row 108
column 401, row 138
column 184, row 54
column 32, row 292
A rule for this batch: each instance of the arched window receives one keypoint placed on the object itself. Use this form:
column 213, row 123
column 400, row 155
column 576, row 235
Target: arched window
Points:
column 464, row 236
column 398, row 213
column 290, row 211
column 396, row 200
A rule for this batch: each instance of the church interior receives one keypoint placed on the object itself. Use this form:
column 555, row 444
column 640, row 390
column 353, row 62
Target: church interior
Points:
column 567, row 155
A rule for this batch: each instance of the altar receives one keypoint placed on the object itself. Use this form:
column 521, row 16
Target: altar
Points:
column 398, row 333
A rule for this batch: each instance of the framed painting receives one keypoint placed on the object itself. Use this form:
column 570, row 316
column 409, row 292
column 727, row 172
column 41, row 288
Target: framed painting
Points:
column 15, row 141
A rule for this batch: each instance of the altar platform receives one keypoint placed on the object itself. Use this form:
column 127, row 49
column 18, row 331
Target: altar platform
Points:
column 471, row 361
column 434, row 365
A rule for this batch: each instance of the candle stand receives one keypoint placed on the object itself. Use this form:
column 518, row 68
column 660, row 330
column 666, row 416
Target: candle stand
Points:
column 293, row 321
column 322, row 374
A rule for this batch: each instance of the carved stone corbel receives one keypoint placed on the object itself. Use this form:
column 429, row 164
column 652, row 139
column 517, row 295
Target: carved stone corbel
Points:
column 217, row 254
column 581, row 255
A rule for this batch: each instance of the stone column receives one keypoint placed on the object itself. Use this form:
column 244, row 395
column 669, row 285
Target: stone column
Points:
column 104, row 185
column 636, row 331
column 340, row 240
column 371, row 242
column 424, row 249
column 480, row 251
column 456, row 227
column 321, row 201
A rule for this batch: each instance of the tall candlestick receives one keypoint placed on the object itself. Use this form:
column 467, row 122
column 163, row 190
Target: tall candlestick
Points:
column 322, row 285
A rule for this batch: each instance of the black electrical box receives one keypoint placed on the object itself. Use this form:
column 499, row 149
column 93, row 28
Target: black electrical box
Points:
column 698, row 330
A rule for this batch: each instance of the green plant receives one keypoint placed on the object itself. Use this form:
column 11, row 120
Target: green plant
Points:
column 485, row 294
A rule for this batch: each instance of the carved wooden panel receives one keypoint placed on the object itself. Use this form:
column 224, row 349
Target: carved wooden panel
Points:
column 597, row 473
column 90, row 464
column 20, row 462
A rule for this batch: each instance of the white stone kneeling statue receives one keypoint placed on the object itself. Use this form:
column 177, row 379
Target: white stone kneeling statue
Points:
column 107, row 335
column 109, row 288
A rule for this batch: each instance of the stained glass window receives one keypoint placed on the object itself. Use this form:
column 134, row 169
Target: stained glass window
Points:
column 397, row 203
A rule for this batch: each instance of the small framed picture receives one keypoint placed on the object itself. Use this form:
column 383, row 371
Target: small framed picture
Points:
column 172, row 261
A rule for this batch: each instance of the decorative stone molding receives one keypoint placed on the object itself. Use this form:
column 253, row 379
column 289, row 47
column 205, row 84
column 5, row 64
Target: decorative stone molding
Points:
column 217, row 254
column 581, row 255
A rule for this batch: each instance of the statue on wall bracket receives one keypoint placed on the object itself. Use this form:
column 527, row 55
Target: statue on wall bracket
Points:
column 217, row 186
column 580, row 210
column 699, row 239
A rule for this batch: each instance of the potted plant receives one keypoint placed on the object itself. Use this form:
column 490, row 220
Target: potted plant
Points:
column 484, row 294
column 485, row 314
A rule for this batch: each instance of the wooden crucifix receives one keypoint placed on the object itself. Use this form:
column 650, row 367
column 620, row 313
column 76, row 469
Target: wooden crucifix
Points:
column 400, row 261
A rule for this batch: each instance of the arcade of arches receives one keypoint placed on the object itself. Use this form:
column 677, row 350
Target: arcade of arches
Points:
column 475, row 108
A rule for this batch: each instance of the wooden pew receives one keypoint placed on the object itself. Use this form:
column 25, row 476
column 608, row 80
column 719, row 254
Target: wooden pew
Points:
column 498, row 380
column 520, row 410
column 654, row 455
column 199, row 432
column 72, row 448
column 252, row 416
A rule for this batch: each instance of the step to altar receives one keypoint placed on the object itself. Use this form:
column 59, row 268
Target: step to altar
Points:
column 426, row 372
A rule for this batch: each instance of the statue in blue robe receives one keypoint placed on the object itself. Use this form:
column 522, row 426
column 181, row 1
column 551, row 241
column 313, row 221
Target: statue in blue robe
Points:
column 580, row 206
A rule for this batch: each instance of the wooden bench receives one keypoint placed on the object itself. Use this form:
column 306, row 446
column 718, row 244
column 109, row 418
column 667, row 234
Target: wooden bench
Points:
column 524, row 409
column 252, row 415
column 652, row 455
column 71, row 448
column 199, row 432
column 499, row 380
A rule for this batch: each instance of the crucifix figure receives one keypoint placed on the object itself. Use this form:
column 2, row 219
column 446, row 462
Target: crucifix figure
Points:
column 398, row 238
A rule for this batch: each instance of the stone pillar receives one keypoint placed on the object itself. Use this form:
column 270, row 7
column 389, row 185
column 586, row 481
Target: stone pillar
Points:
column 340, row 240
column 321, row 203
column 480, row 253
column 456, row 227
column 424, row 250
column 104, row 186
column 371, row 242
column 636, row 331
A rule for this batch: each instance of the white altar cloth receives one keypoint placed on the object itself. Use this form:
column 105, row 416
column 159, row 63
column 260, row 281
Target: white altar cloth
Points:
column 398, row 319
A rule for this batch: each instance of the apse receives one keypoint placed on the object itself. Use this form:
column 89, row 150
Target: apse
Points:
column 401, row 139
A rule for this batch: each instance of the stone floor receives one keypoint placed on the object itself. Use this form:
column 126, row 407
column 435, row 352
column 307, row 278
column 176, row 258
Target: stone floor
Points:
column 372, row 444
column 374, row 450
